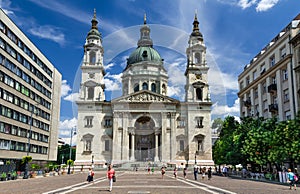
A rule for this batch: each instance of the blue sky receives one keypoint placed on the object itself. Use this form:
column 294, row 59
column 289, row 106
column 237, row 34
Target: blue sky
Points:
column 234, row 32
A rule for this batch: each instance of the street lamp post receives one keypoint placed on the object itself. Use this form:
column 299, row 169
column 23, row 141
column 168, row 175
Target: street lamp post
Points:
column 70, row 155
column 92, row 161
column 28, row 145
column 196, row 158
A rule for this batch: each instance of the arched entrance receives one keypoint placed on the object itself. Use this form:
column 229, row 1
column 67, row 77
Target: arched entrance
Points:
column 145, row 139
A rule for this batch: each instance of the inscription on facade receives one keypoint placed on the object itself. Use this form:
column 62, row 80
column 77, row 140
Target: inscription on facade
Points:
column 144, row 98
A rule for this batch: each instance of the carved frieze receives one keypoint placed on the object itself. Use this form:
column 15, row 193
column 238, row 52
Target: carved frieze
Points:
column 145, row 97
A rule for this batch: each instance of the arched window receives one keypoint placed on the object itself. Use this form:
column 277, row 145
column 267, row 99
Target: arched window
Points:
column 197, row 58
column 90, row 92
column 153, row 87
column 136, row 88
column 164, row 90
column 145, row 86
column 92, row 58
column 199, row 94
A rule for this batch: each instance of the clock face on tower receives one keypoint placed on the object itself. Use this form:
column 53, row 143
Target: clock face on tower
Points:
column 91, row 75
column 199, row 76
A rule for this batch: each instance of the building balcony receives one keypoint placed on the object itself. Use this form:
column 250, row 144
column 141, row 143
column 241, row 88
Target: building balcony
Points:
column 272, row 88
column 247, row 103
column 273, row 107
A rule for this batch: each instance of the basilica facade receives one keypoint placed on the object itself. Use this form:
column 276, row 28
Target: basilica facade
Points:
column 144, row 124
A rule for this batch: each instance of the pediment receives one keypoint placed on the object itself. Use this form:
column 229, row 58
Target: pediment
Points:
column 90, row 83
column 145, row 96
column 87, row 136
column 199, row 84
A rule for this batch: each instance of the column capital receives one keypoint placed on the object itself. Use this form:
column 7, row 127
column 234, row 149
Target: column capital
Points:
column 131, row 130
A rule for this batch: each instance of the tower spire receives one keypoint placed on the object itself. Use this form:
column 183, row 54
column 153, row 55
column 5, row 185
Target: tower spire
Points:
column 94, row 21
column 196, row 31
column 145, row 19
column 145, row 39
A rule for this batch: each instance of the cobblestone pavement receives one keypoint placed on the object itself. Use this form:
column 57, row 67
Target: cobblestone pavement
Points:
column 140, row 182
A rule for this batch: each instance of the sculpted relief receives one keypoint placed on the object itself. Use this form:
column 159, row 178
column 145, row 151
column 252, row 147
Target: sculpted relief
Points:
column 145, row 97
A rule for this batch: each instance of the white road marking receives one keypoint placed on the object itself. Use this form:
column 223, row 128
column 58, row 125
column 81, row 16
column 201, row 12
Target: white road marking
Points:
column 187, row 181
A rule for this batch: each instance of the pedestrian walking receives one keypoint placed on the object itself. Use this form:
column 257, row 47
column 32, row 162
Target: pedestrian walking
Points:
column 203, row 171
column 148, row 169
column 195, row 172
column 110, row 175
column 292, row 178
column 90, row 176
column 175, row 172
column 184, row 172
column 224, row 171
column 163, row 171
column 152, row 170
column 209, row 173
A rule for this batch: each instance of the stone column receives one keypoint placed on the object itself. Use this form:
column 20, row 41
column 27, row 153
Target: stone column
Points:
column 156, row 132
column 131, row 131
column 132, row 147
column 173, row 137
column 125, row 147
column 115, row 143
column 164, row 147
column 120, row 139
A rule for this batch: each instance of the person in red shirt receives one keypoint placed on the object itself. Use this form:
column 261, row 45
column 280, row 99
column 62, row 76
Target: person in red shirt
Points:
column 110, row 174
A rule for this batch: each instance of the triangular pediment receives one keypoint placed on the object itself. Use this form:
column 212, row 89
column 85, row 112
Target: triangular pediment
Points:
column 145, row 96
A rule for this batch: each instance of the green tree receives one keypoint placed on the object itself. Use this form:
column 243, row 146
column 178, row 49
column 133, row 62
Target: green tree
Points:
column 258, row 142
column 64, row 152
column 224, row 151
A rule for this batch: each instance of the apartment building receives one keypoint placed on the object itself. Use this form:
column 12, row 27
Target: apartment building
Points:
column 269, row 84
column 29, row 97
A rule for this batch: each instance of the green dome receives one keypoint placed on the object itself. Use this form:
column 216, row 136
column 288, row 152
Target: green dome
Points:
column 94, row 33
column 144, row 54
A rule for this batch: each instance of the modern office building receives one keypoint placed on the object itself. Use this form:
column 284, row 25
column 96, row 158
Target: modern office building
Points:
column 29, row 97
column 269, row 85
column 144, row 124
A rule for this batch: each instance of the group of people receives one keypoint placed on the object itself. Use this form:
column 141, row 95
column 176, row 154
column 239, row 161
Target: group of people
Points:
column 203, row 172
column 196, row 172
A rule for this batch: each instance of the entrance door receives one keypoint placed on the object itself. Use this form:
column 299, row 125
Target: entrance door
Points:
column 144, row 148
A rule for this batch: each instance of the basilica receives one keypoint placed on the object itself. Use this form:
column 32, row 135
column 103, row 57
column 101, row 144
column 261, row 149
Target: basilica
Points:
column 144, row 124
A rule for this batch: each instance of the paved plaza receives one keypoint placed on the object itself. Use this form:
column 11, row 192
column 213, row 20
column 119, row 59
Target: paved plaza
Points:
column 139, row 182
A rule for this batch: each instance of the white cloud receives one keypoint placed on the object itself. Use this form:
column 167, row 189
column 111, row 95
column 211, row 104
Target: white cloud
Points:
column 111, row 85
column 5, row 5
column 220, row 82
column 48, row 32
column 65, row 92
column 72, row 97
column 176, row 73
column 260, row 5
column 246, row 3
column 177, row 92
column 225, row 109
column 109, row 66
column 65, row 88
column 65, row 128
column 265, row 5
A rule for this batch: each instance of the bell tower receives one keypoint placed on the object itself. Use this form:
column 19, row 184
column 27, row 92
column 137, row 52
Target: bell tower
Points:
column 92, row 84
column 196, row 88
